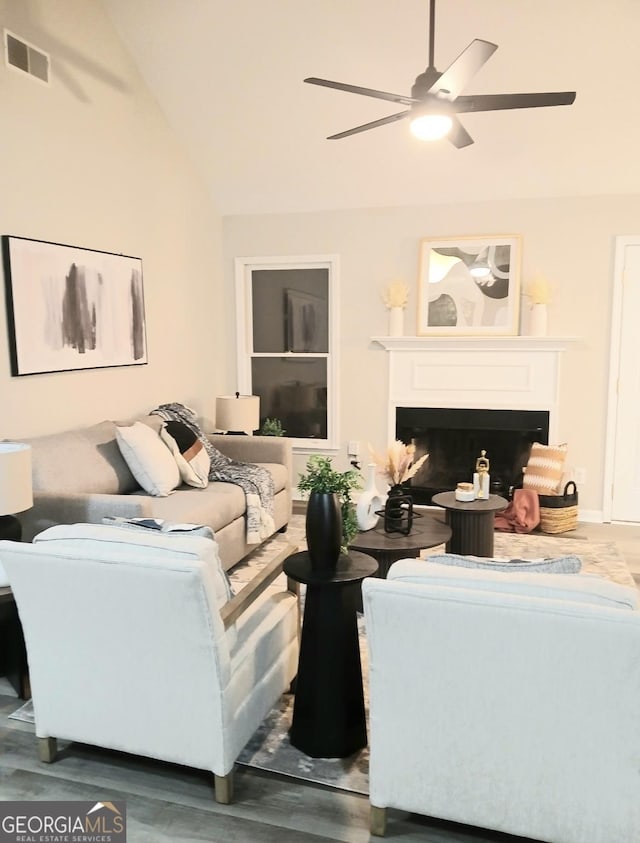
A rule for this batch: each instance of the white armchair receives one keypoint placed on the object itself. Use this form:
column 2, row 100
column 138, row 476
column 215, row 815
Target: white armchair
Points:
column 134, row 644
column 508, row 701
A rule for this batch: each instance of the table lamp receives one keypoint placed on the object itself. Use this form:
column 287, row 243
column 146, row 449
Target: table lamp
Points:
column 16, row 493
column 237, row 413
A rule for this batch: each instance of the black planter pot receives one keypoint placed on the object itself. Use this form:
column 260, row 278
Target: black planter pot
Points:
column 324, row 530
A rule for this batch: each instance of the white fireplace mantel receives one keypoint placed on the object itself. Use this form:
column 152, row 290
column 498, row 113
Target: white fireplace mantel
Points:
column 475, row 373
column 475, row 343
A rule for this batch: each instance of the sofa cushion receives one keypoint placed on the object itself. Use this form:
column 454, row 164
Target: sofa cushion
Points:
column 150, row 461
column 57, row 456
column 189, row 453
column 575, row 588
column 216, row 506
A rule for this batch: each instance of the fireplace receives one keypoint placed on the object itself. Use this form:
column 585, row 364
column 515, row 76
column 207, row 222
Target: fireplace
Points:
column 457, row 396
column 454, row 438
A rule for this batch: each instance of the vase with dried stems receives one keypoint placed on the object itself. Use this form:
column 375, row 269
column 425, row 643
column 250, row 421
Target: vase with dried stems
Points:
column 538, row 292
column 395, row 297
column 397, row 466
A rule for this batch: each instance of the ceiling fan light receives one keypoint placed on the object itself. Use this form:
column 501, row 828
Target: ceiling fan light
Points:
column 431, row 126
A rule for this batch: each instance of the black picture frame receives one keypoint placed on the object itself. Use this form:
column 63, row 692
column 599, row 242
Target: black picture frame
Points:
column 71, row 308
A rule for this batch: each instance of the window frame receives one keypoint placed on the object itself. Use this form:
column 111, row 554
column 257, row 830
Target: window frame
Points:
column 244, row 268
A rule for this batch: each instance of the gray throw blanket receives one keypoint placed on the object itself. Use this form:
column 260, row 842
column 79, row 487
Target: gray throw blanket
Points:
column 256, row 482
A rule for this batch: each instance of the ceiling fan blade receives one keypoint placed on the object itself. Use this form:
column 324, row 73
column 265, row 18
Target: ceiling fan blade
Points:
column 497, row 102
column 458, row 135
column 460, row 72
column 365, row 92
column 374, row 125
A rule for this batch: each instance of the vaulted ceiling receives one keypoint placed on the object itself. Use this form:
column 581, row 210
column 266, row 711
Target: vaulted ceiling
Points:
column 228, row 76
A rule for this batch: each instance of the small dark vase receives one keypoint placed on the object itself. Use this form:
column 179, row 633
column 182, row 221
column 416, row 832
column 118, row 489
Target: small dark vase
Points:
column 324, row 530
column 398, row 511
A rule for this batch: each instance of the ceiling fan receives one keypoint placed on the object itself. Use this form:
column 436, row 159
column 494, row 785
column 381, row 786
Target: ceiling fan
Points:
column 435, row 99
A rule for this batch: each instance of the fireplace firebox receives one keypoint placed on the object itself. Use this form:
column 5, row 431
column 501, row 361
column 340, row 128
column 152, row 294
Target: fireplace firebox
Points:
column 454, row 438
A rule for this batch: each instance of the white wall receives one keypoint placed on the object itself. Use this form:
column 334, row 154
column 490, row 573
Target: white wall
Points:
column 569, row 241
column 89, row 161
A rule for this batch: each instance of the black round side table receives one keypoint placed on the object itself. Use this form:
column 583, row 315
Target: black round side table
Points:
column 328, row 710
column 387, row 548
column 471, row 523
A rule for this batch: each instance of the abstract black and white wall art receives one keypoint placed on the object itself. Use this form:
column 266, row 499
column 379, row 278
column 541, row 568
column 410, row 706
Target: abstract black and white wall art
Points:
column 71, row 308
column 469, row 286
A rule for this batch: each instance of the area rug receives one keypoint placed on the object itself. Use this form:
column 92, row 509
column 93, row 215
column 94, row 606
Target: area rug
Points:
column 270, row 750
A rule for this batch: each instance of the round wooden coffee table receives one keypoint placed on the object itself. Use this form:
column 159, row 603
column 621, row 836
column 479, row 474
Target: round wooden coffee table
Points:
column 387, row 548
column 471, row 523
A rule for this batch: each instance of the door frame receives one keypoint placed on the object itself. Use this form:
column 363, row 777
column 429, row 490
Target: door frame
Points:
column 621, row 243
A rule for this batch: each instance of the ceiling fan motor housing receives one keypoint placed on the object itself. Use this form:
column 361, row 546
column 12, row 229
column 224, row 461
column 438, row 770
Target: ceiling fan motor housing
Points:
column 424, row 83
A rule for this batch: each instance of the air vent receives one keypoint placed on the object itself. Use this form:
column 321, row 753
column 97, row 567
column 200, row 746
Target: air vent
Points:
column 25, row 57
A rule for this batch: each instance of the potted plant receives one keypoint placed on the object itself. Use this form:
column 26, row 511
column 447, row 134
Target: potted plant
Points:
column 272, row 427
column 331, row 518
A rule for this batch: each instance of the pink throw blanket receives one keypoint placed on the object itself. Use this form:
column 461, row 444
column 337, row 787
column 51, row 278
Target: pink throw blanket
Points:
column 522, row 515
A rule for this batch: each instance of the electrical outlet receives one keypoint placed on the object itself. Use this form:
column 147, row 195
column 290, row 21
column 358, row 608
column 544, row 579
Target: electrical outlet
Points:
column 580, row 476
column 353, row 448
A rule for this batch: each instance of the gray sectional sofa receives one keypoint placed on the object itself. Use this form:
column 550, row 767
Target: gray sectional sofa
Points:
column 80, row 476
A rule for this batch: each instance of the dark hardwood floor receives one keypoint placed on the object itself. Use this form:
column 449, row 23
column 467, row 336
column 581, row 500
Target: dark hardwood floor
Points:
column 171, row 804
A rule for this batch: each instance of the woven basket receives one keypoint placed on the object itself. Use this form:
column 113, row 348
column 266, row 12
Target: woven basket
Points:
column 559, row 513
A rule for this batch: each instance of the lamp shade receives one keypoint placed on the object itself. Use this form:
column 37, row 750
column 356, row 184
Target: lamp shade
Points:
column 239, row 413
column 16, row 493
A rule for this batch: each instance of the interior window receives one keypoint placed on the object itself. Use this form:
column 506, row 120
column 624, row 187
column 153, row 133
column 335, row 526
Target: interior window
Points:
column 286, row 343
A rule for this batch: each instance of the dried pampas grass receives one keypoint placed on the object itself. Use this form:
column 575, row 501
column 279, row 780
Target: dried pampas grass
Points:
column 397, row 464
column 396, row 294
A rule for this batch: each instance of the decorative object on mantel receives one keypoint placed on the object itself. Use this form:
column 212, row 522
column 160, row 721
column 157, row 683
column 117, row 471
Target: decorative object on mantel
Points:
column 330, row 519
column 538, row 292
column 395, row 297
column 369, row 501
column 469, row 286
column 397, row 466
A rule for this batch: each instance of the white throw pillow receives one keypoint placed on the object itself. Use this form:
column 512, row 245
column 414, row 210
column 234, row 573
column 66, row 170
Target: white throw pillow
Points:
column 149, row 459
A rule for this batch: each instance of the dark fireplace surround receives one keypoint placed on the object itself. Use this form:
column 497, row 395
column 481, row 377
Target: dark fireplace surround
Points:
column 454, row 438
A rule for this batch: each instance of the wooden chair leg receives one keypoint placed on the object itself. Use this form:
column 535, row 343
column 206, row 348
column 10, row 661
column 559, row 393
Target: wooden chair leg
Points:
column 224, row 788
column 378, row 821
column 47, row 749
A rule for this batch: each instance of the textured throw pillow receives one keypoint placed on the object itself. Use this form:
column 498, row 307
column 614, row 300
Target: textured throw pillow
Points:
column 189, row 453
column 545, row 468
column 568, row 588
column 549, row 565
column 151, row 463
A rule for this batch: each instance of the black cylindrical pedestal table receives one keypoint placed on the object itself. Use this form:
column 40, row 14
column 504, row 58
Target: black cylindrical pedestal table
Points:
column 471, row 522
column 328, row 712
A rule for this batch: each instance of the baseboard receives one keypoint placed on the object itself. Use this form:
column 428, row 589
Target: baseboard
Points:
column 591, row 516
